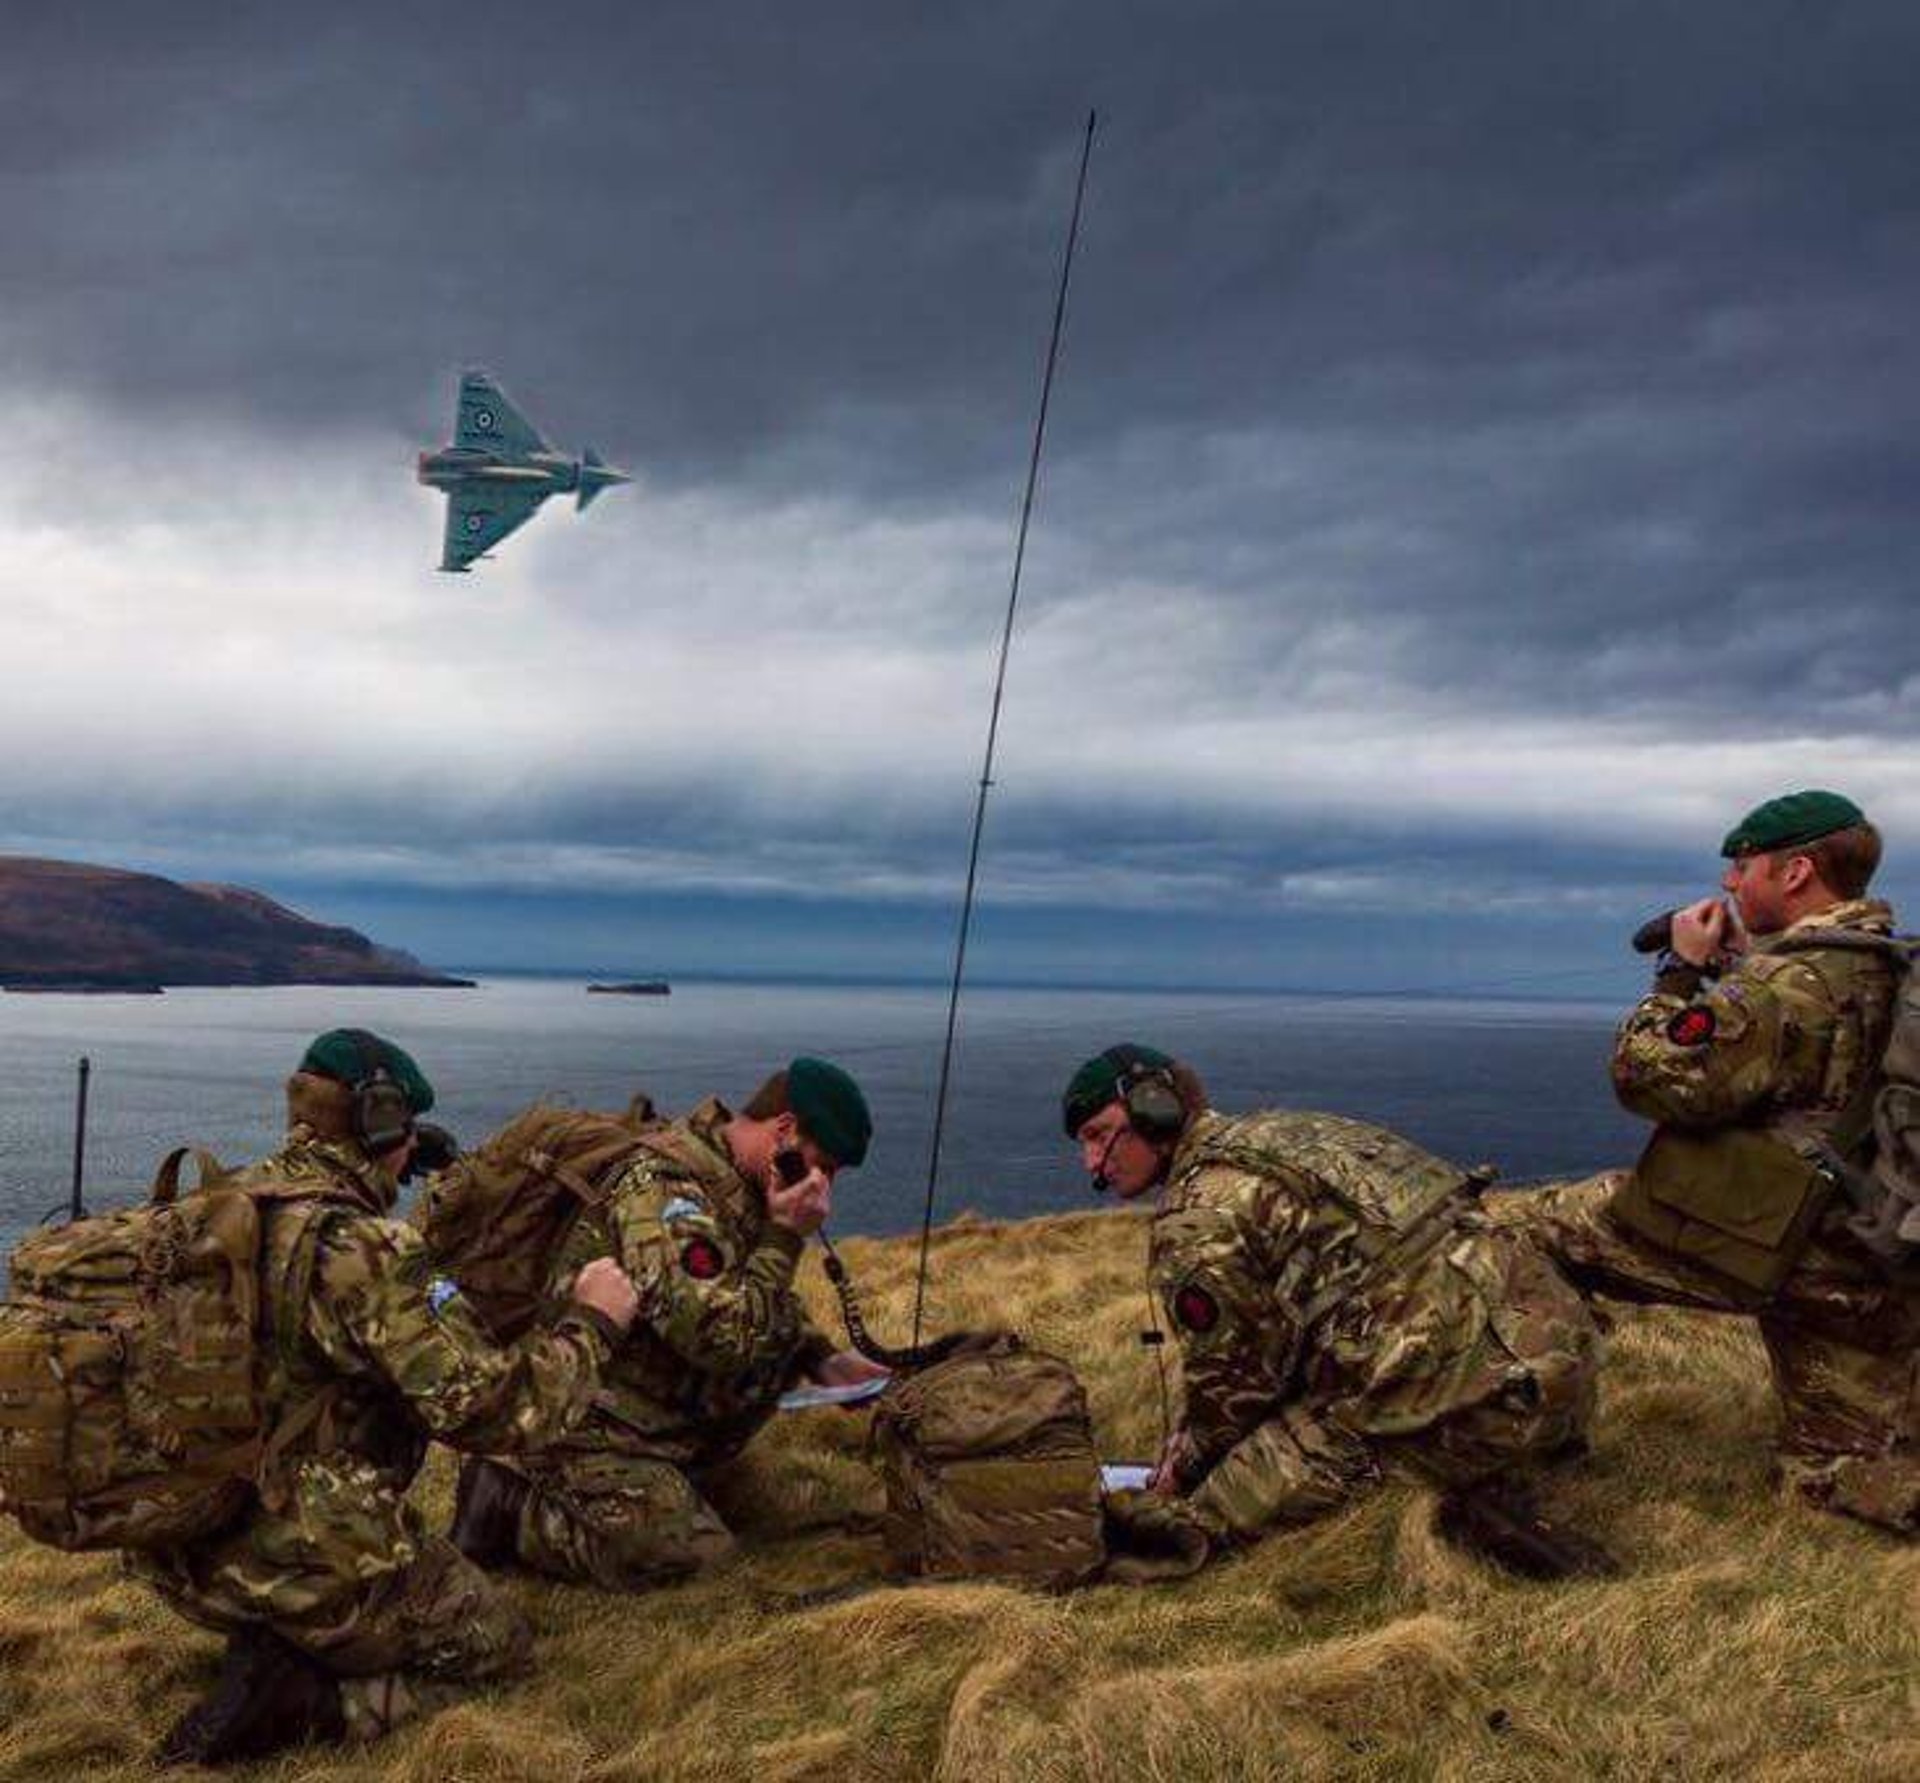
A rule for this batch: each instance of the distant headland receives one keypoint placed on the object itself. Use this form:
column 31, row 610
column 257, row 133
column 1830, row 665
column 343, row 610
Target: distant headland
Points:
column 70, row 926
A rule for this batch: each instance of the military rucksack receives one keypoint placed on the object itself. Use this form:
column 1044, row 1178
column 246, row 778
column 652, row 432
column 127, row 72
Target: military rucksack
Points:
column 496, row 1218
column 989, row 1468
column 1874, row 1150
column 134, row 1366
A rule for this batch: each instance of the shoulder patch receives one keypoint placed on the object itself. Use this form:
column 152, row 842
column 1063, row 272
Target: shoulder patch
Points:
column 701, row 1259
column 441, row 1290
column 1692, row 1026
column 1194, row 1308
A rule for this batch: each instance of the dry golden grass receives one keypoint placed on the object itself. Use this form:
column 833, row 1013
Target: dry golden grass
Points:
column 1748, row 1638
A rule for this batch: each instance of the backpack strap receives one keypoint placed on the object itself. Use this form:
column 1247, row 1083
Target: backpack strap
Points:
column 1428, row 1226
column 1380, row 1245
column 166, row 1180
column 313, row 1416
column 590, row 1191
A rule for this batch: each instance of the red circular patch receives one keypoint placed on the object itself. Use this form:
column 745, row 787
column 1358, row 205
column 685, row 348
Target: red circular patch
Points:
column 1691, row 1027
column 1196, row 1309
column 700, row 1260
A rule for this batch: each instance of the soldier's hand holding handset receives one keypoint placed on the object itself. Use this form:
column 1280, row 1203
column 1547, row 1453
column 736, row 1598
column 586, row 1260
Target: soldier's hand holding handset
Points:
column 607, row 1288
column 799, row 1196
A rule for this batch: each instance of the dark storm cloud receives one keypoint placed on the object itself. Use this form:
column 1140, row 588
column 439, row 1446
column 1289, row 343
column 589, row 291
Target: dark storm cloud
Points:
column 1522, row 393
column 1567, row 347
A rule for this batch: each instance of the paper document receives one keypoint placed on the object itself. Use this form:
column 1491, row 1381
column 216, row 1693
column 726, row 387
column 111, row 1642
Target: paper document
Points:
column 801, row 1399
column 1125, row 1476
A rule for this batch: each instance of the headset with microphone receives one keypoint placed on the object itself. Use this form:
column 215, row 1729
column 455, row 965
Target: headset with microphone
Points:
column 1151, row 1100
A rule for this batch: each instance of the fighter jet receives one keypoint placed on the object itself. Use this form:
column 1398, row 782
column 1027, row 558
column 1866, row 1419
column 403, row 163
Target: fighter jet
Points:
column 499, row 470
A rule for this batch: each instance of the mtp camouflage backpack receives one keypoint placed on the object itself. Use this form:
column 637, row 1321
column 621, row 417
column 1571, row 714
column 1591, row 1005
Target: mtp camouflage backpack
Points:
column 1874, row 1152
column 990, row 1469
column 497, row 1216
column 134, row 1367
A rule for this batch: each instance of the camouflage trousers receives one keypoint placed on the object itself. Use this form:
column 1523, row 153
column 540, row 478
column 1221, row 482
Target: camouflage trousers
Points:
column 1542, row 1407
column 343, row 1571
column 622, row 1522
column 1527, row 1407
column 1843, row 1345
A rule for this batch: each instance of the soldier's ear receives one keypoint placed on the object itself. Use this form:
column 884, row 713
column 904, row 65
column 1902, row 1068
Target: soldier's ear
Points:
column 1798, row 873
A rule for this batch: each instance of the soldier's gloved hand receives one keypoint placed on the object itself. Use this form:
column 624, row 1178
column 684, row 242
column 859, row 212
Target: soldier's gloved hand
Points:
column 607, row 1288
column 800, row 1207
column 1152, row 1536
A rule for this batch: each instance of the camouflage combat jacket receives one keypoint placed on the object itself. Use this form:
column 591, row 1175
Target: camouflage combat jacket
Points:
column 1782, row 1043
column 721, row 1332
column 1267, row 1221
column 374, row 1353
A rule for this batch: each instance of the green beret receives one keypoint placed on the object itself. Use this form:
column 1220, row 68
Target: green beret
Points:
column 351, row 1055
column 828, row 1103
column 1097, row 1082
column 1788, row 822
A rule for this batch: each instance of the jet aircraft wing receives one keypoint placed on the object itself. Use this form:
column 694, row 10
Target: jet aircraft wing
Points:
column 490, row 423
column 479, row 516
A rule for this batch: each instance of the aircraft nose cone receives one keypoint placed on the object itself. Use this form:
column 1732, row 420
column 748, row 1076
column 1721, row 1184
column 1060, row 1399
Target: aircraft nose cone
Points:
column 595, row 476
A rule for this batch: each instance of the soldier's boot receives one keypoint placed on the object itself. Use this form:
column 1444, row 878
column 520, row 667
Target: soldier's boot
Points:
column 269, row 1695
column 486, row 1513
column 1883, row 1490
column 1499, row 1520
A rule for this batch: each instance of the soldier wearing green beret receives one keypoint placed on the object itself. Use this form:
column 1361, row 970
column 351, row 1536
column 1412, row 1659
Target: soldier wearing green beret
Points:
column 710, row 1222
column 1343, row 1311
column 344, row 1616
column 1756, row 1056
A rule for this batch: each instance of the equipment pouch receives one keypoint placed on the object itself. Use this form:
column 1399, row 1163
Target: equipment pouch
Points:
column 1737, row 1202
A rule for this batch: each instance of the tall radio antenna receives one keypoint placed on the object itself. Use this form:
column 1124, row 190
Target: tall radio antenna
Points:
column 993, row 725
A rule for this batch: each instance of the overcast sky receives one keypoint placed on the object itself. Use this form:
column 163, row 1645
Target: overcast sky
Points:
column 1482, row 466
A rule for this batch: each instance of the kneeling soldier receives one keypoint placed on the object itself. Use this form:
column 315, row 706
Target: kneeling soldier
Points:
column 343, row 1615
column 1757, row 1055
column 709, row 1222
column 1341, row 1311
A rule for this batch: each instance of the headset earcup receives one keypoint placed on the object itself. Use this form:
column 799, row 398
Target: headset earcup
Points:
column 382, row 1114
column 1154, row 1108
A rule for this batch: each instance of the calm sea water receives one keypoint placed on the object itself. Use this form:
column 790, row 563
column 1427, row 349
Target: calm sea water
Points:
column 1522, row 1084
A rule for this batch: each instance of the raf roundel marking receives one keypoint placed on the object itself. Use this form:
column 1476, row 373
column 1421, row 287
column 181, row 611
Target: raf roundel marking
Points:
column 483, row 419
column 1692, row 1027
column 1196, row 1309
column 474, row 523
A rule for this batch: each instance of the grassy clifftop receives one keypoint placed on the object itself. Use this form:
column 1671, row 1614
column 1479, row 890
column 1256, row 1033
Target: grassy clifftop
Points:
column 1748, row 1638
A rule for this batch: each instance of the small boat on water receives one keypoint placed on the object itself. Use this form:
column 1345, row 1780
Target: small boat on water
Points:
column 638, row 987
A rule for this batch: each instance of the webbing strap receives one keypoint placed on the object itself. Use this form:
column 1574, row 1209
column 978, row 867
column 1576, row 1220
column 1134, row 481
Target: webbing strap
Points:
column 1381, row 1245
